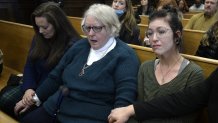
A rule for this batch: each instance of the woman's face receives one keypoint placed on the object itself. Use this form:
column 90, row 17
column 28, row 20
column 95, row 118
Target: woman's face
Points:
column 144, row 2
column 161, row 36
column 181, row 4
column 45, row 28
column 96, row 32
column 119, row 4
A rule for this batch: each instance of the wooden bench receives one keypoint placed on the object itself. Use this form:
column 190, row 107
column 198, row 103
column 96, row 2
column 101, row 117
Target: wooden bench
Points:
column 4, row 118
column 76, row 22
column 191, row 39
column 208, row 65
column 144, row 20
column 15, row 41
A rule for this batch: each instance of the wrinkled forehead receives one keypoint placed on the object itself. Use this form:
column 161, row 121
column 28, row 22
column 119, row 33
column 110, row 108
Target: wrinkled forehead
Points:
column 215, row 1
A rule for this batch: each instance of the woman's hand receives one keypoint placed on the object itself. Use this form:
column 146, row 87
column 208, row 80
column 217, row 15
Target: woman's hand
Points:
column 121, row 115
column 28, row 97
column 20, row 107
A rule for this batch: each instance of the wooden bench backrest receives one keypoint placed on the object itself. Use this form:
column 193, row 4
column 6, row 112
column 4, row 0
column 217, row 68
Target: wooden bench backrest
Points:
column 15, row 40
column 187, row 16
column 191, row 39
column 184, row 22
column 144, row 20
column 208, row 65
column 76, row 22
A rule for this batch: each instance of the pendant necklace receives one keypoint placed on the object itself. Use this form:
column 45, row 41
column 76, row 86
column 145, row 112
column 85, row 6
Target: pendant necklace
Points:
column 83, row 69
column 85, row 66
column 169, row 70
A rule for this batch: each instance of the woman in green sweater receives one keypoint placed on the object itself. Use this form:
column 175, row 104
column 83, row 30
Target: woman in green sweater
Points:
column 170, row 72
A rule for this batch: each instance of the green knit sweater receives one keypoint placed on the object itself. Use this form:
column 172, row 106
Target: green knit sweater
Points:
column 149, row 88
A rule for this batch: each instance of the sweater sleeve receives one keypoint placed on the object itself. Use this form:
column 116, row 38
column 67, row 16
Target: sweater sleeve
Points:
column 29, row 75
column 126, row 79
column 54, row 80
column 183, row 102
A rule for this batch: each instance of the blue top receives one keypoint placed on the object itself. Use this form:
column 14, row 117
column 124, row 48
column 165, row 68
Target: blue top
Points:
column 35, row 72
column 108, row 83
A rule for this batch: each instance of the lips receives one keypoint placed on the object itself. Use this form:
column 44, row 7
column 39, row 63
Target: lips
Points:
column 93, row 40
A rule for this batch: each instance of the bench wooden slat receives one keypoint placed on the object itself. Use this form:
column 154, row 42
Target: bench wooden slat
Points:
column 4, row 118
column 208, row 65
column 15, row 41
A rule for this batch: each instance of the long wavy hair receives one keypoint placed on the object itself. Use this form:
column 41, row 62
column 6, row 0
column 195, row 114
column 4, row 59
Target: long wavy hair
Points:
column 52, row 49
column 128, row 20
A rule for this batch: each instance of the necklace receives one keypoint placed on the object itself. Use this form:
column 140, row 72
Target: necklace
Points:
column 169, row 70
column 87, row 64
column 82, row 72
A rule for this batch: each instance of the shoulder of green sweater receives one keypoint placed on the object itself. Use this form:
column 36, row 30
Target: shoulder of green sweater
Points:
column 149, row 64
column 193, row 65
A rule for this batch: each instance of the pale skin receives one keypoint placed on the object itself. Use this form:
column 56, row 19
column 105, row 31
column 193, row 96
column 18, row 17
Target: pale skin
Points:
column 164, row 47
column 119, row 4
column 121, row 115
column 210, row 7
column 47, row 30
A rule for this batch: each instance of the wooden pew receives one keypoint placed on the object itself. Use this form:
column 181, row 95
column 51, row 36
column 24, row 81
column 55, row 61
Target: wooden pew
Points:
column 76, row 22
column 187, row 16
column 4, row 118
column 15, row 41
column 208, row 65
column 191, row 39
column 184, row 22
column 144, row 20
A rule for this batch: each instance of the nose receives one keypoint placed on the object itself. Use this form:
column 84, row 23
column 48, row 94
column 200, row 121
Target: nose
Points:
column 91, row 32
column 41, row 30
column 154, row 37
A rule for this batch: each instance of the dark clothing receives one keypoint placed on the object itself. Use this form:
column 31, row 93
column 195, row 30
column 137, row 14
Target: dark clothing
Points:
column 210, row 51
column 106, row 84
column 209, row 44
column 183, row 102
column 43, row 117
column 128, row 37
column 148, row 11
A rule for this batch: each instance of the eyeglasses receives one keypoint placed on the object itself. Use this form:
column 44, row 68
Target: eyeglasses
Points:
column 96, row 29
column 161, row 32
column 119, row 3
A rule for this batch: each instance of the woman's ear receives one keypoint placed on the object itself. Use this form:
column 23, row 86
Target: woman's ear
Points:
column 179, row 34
column 178, row 37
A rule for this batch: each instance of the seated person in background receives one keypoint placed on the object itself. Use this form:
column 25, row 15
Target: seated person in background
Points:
column 100, row 73
column 197, row 6
column 209, row 44
column 1, row 61
column 203, row 21
column 162, row 3
column 145, row 8
column 129, row 31
column 183, row 7
column 169, row 73
column 54, row 34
